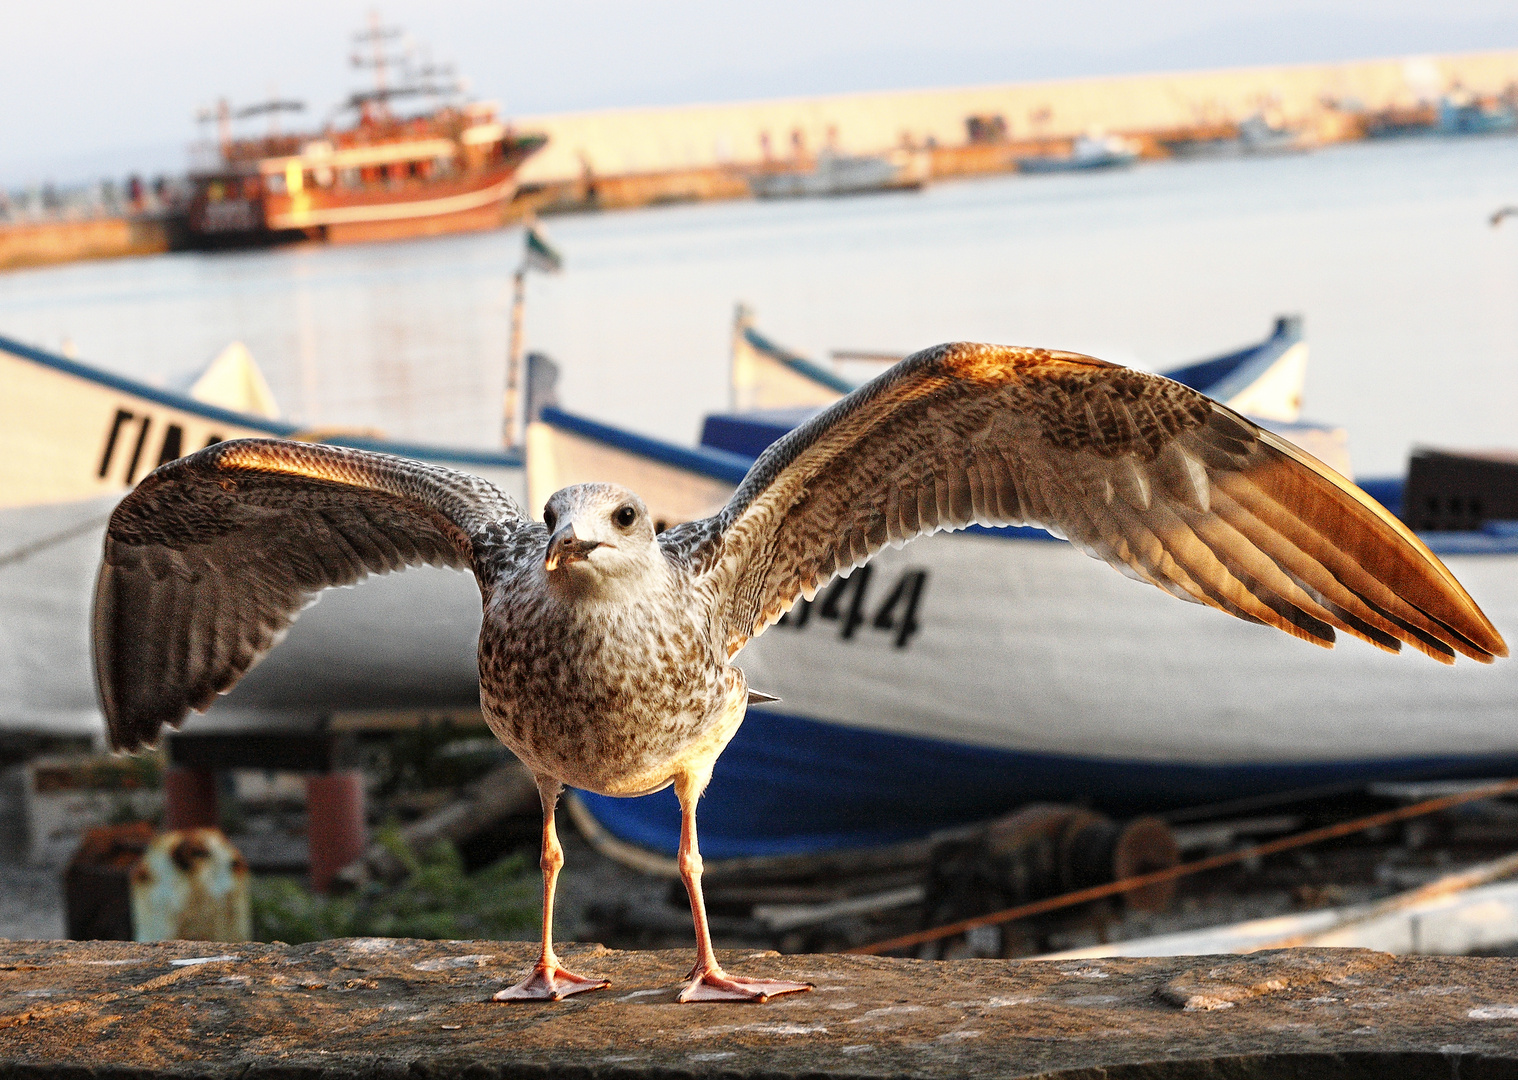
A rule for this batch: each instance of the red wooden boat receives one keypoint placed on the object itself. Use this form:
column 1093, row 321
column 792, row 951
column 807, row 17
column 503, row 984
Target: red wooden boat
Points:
column 450, row 169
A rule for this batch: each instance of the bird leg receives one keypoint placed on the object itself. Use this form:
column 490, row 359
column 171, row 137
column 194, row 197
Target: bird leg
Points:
column 549, row 981
column 707, row 981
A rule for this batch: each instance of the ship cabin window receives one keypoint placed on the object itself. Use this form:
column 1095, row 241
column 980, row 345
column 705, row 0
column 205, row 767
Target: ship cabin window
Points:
column 275, row 182
column 350, row 177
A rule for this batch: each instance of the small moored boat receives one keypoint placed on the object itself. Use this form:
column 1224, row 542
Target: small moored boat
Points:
column 1088, row 152
column 774, row 389
column 842, row 174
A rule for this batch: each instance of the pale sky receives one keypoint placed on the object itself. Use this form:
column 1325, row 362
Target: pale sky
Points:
column 90, row 88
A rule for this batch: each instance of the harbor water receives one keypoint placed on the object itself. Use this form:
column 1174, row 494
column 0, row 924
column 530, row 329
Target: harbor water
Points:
column 1409, row 295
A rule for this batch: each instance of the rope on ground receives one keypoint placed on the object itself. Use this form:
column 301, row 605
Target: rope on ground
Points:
column 1212, row 862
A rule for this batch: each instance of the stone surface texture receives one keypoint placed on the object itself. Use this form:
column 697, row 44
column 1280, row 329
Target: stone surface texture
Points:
column 380, row 1008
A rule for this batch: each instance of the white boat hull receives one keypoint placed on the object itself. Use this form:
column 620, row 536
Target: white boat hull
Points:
column 1034, row 647
column 400, row 641
column 1038, row 674
column 967, row 674
column 72, row 441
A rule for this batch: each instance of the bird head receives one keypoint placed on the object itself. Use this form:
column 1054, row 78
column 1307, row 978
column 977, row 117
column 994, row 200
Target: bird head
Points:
column 597, row 529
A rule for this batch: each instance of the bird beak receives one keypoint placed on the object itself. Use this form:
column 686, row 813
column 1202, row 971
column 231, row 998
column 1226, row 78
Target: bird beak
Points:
column 565, row 548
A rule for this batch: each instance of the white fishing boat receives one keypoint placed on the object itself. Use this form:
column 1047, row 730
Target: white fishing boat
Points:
column 969, row 674
column 233, row 380
column 1258, row 133
column 833, row 173
column 1087, row 152
column 74, row 438
column 948, row 682
column 766, row 376
column 775, row 388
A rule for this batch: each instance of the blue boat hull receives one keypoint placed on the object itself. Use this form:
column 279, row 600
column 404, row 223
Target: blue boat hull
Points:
column 788, row 785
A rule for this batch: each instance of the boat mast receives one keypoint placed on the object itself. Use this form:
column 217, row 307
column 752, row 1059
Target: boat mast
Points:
column 378, row 106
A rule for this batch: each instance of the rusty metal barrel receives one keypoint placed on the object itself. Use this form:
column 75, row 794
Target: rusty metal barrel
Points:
column 97, row 881
column 191, row 884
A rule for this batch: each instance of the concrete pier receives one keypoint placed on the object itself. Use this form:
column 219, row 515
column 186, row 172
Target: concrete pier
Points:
column 41, row 243
column 378, row 1008
column 617, row 142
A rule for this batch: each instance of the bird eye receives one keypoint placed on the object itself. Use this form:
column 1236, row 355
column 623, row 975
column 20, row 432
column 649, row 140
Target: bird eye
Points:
column 549, row 518
column 624, row 517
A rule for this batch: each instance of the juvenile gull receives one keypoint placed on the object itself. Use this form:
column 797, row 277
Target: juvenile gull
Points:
column 606, row 651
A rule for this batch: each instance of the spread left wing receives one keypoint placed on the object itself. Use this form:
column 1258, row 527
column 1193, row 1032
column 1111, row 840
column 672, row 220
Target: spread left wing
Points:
column 210, row 559
column 1151, row 476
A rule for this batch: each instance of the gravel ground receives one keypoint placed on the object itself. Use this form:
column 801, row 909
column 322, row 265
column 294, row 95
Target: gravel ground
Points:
column 589, row 878
column 31, row 901
column 31, row 897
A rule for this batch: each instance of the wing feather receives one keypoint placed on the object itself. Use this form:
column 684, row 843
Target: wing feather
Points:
column 1164, row 484
column 212, row 557
column 1405, row 619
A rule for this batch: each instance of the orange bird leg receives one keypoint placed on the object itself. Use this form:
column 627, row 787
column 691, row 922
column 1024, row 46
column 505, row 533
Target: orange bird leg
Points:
column 549, row 981
column 707, row 981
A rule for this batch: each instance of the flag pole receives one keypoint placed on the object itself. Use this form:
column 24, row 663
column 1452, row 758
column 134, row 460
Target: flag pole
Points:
column 537, row 254
column 514, row 359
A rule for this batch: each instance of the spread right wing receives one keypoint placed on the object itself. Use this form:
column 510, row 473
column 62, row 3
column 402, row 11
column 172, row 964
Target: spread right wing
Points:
column 1153, row 477
column 211, row 558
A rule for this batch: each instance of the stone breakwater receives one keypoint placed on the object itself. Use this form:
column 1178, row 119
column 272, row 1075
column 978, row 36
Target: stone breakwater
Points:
column 41, row 243
column 1321, row 98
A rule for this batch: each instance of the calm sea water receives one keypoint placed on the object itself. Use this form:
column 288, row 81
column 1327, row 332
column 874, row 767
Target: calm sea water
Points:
column 1410, row 297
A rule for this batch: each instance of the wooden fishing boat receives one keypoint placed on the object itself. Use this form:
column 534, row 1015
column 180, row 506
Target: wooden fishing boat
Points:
column 453, row 171
column 833, row 174
column 775, row 388
column 969, row 674
column 74, row 438
column 451, row 168
column 1087, row 153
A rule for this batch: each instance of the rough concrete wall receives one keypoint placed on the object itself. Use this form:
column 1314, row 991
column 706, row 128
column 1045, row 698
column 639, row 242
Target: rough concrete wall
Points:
column 646, row 140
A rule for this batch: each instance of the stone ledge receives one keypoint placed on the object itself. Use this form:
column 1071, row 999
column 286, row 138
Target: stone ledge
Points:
column 378, row 1009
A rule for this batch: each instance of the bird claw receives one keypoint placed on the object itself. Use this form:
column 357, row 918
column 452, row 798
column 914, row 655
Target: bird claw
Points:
column 718, row 985
column 549, row 982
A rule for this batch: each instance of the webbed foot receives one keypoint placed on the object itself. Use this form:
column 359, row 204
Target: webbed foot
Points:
column 714, row 984
column 549, row 982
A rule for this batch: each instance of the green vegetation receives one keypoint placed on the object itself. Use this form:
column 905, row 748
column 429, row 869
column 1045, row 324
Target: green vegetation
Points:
column 97, row 772
column 437, row 900
column 433, row 755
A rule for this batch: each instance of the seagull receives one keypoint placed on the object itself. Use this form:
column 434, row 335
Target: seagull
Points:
column 606, row 650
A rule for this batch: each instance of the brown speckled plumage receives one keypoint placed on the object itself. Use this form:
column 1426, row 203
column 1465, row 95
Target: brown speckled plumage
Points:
column 630, row 682
column 605, row 651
